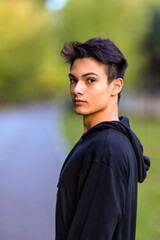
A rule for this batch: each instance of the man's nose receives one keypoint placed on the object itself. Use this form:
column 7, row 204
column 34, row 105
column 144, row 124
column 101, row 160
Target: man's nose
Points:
column 79, row 88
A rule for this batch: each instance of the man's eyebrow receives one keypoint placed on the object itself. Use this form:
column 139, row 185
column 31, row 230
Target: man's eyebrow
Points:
column 84, row 75
column 71, row 75
column 90, row 73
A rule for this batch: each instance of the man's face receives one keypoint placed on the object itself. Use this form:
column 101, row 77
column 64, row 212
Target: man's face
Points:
column 89, row 89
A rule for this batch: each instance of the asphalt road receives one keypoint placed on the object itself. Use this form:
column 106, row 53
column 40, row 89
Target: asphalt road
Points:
column 32, row 150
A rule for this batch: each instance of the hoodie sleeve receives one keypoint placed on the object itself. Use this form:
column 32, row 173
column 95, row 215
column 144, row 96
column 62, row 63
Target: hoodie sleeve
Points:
column 100, row 205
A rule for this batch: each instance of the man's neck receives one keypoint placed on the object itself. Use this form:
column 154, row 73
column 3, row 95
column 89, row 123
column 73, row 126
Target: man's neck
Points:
column 90, row 121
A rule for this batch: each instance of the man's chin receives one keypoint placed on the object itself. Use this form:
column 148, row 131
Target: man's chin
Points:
column 78, row 112
column 81, row 111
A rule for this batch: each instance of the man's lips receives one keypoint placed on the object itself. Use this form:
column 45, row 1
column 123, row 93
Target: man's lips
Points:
column 79, row 101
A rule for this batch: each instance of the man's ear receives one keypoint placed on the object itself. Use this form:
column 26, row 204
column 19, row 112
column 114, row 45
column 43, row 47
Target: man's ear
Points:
column 117, row 86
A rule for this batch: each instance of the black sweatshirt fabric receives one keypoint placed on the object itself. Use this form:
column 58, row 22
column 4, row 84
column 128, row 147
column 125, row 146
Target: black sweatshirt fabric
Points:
column 97, row 188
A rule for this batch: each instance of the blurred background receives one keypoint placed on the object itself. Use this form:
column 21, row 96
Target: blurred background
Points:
column 37, row 124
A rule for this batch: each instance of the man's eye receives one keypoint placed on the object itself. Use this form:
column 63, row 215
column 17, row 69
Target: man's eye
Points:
column 73, row 80
column 91, row 80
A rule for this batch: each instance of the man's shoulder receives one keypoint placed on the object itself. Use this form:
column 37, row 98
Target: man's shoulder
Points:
column 118, row 152
column 109, row 142
column 113, row 146
column 117, row 138
column 110, row 136
column 110, row 147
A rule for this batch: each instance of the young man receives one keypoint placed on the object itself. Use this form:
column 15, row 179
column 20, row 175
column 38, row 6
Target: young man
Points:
column 97, row 188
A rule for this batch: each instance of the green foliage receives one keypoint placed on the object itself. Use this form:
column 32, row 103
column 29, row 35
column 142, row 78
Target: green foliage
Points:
column 148, row 131
column 151, row 47
column 28, row 69
column 31, row 38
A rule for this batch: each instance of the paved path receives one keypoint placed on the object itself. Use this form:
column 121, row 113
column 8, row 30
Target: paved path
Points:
column 31, row 155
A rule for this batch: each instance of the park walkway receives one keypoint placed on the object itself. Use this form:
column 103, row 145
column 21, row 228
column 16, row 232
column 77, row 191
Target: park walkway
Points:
column 32, row 150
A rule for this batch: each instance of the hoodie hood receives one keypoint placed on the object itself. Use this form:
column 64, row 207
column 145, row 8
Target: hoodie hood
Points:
column 143, row 162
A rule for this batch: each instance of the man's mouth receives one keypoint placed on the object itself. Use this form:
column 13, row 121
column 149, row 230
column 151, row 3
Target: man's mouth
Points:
column 79, row 101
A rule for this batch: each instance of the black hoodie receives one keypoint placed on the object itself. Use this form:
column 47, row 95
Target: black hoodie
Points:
column 97, row 188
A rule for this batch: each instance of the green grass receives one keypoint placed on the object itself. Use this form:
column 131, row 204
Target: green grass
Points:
column 148, row 218
column 148, row 131
column 74, row 127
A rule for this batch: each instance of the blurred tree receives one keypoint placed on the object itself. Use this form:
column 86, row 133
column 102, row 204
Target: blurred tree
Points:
column 31, row 38
column 151, row 49
column 28, row 69
column 41, row 2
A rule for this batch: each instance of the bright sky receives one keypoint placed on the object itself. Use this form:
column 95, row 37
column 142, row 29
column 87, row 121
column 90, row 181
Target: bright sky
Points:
column 55, row 5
